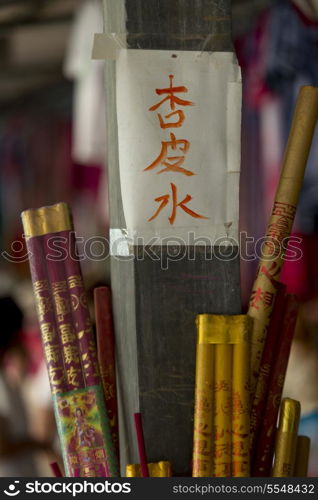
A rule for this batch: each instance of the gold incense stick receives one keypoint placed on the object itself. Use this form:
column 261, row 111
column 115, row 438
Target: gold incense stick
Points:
column 241, row 402
column 222, row 424
column 157, row 469
column 281, row 221
column 202, row 438
column 286, row 439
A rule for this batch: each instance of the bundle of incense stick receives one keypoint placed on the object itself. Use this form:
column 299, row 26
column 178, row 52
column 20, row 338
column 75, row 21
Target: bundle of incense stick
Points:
column 263, row 442
column 222, row 397
column 280, row 223
column 68, row 342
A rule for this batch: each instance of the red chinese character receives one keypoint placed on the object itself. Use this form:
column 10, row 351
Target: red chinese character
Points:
column 171, row 97
column 172, row 163
column 272, row 273
column 173, row 100
column 164, row 200
column 259, row 296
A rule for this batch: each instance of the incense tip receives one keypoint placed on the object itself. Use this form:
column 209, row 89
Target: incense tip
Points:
column 289, row 415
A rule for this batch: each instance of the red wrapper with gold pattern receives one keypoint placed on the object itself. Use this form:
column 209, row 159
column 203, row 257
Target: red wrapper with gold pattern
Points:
column 64, row 318
column 106, row 355
column 80, row 312
column 264, row 448
column 266, row 367
column 46, row 316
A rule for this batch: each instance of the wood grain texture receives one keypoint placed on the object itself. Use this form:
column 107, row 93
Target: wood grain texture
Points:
column 155, row 308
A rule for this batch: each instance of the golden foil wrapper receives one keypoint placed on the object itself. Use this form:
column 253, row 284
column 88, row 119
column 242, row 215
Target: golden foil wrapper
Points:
column 302, row 456
column 222, row 329
column 281, row 222
column 156, row 469
column 286, row 439
column 217, row 438
column 46, row 220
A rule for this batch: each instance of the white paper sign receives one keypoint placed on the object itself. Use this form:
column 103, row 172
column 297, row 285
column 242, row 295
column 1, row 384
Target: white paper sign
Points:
column 179, row 119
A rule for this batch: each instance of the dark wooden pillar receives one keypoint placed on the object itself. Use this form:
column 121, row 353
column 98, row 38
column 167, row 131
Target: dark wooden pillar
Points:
column 155, row 308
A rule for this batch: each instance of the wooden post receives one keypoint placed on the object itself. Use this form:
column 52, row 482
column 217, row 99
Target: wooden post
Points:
column 155, row 308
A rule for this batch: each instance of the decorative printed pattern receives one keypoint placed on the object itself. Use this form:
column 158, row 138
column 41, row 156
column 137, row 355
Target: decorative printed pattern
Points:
column 84, row 433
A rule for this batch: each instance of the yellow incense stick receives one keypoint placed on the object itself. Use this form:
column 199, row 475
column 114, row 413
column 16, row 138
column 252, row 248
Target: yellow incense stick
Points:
column 202, row 438
column 286, row 439
column 156, row 469
column 222, row 425
column 241, row 402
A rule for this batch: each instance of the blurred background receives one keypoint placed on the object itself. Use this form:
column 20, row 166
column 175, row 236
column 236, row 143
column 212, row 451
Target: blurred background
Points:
column 53, row 148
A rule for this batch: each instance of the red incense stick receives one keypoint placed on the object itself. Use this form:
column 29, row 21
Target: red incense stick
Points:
column 56, row 469
column 141, row 445
column 271, row 349
column 106, row 355
column 263, row 453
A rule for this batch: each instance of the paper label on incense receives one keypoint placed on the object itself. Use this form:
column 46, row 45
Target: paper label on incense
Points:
column 84, row 433
column 179, row 120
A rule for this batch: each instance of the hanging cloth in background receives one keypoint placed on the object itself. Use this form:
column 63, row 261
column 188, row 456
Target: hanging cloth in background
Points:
column 292, row 61
column 89, row 120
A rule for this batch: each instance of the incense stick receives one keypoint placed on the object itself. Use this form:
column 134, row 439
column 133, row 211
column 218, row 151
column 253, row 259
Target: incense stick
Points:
column 267, row 365
column 106, row 356
column 286, row 439
column 302, row 456
column 222, row 421
column 56, row 469
column 141, row 445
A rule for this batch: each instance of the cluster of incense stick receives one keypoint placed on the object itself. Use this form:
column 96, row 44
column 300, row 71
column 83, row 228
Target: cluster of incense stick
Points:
column 273, row 311
column 69, row 345
column 251, row 445
column 241, row 360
